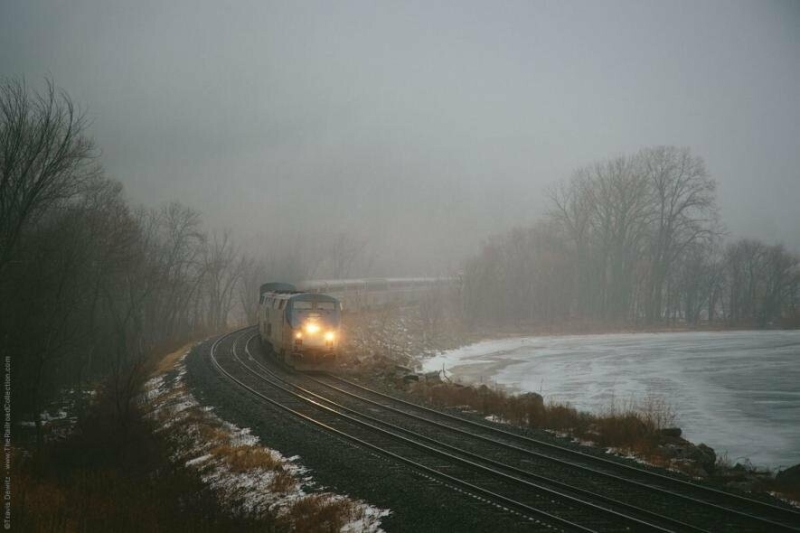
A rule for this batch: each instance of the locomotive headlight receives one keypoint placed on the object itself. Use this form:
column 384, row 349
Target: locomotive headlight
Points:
column 298, row 335
column 312, row 328
column 329, row 336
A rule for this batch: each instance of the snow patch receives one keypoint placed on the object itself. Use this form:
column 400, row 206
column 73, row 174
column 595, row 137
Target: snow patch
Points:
column 198, row 460
column 172, row 404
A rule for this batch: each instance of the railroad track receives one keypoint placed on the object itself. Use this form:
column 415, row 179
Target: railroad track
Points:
column 569, row 490
column 763, row 516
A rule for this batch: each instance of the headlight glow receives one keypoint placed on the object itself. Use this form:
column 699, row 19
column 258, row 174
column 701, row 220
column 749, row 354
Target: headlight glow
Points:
column 329, row 336
column 312, row 328
column 298, row 335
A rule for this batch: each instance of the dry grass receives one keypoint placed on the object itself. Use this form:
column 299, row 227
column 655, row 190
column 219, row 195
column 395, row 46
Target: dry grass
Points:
column 169, row 361
column 315, row 512
column 211, row 433
column 86, row 484
column 633, row 427
column 791, row 494
column 283, row 482
column 245, row 458
column 321, row 513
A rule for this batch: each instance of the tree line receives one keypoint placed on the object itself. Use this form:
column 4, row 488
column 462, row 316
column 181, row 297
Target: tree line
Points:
column 634, row 239
column 91, row 286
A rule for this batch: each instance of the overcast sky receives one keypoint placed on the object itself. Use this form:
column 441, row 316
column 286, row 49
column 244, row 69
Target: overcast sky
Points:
column 429, row 124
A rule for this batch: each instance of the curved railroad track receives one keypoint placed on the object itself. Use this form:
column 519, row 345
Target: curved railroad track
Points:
column 559, row 486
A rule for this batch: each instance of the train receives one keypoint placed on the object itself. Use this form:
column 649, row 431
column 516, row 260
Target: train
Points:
column 377, row 293
column 301, row 328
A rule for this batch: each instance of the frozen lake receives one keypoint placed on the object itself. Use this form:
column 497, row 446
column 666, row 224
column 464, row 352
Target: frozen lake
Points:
column 739, row 392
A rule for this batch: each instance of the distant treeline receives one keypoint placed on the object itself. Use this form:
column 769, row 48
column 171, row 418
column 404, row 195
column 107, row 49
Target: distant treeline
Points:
column 634, row 240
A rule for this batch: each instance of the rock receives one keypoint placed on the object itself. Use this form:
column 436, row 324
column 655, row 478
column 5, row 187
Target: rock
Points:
column 789, row 478
column 703, row 455
column 668, row 451
column 532, row 398
column 684, row 465
column 408, row 378
column 433, row 377
column 593, row 430
column 671, row 432
column 744, row 486
column 690, row 467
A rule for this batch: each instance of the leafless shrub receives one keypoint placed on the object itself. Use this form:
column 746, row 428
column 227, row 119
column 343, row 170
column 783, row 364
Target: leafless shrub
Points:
column 323, row 513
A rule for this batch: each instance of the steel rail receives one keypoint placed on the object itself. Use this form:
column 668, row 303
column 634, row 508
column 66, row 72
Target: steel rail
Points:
column 787, row 513
column 519, row 506
column 495, row 464
column 445, row 455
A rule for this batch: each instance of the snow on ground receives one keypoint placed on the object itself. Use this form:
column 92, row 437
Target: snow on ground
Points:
column 171, row 403
column 739, row 391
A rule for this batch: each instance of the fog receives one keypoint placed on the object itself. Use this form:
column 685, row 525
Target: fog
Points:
column 419, row 128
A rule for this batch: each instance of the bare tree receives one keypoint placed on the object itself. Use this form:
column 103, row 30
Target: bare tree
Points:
column 780, row 271
column 45, row 157
column 627, row 225
column 605, row 210
column 619, row 221
column 173, row 243
column 254, row 273
column 222, row 270
column 343, row 251
column 573, row 210
column 525, row 274
column 684, row 212
column 696, row 281
column 744, row 260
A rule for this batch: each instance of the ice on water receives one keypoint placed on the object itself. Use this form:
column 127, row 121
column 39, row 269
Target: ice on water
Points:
column 739, row 392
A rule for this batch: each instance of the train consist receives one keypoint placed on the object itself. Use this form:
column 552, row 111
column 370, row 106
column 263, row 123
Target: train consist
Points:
column 302, row 328
column 376, row 293
column 301, row 323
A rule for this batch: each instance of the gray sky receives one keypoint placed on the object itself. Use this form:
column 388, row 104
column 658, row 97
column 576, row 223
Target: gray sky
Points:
column 428, row 124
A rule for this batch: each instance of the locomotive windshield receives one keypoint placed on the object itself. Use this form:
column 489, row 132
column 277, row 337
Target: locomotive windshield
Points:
column 323, row 309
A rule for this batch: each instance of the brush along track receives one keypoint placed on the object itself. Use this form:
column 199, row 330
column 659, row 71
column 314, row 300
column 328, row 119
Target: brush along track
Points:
column 703, row 506
column 735, row 512
column 533, row 485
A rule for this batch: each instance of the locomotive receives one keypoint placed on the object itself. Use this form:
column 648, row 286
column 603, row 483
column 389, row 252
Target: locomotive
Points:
column 301, row 328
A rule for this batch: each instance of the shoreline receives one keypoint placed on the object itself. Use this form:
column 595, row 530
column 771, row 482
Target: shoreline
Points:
column 699, row 378
column 571, row 328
